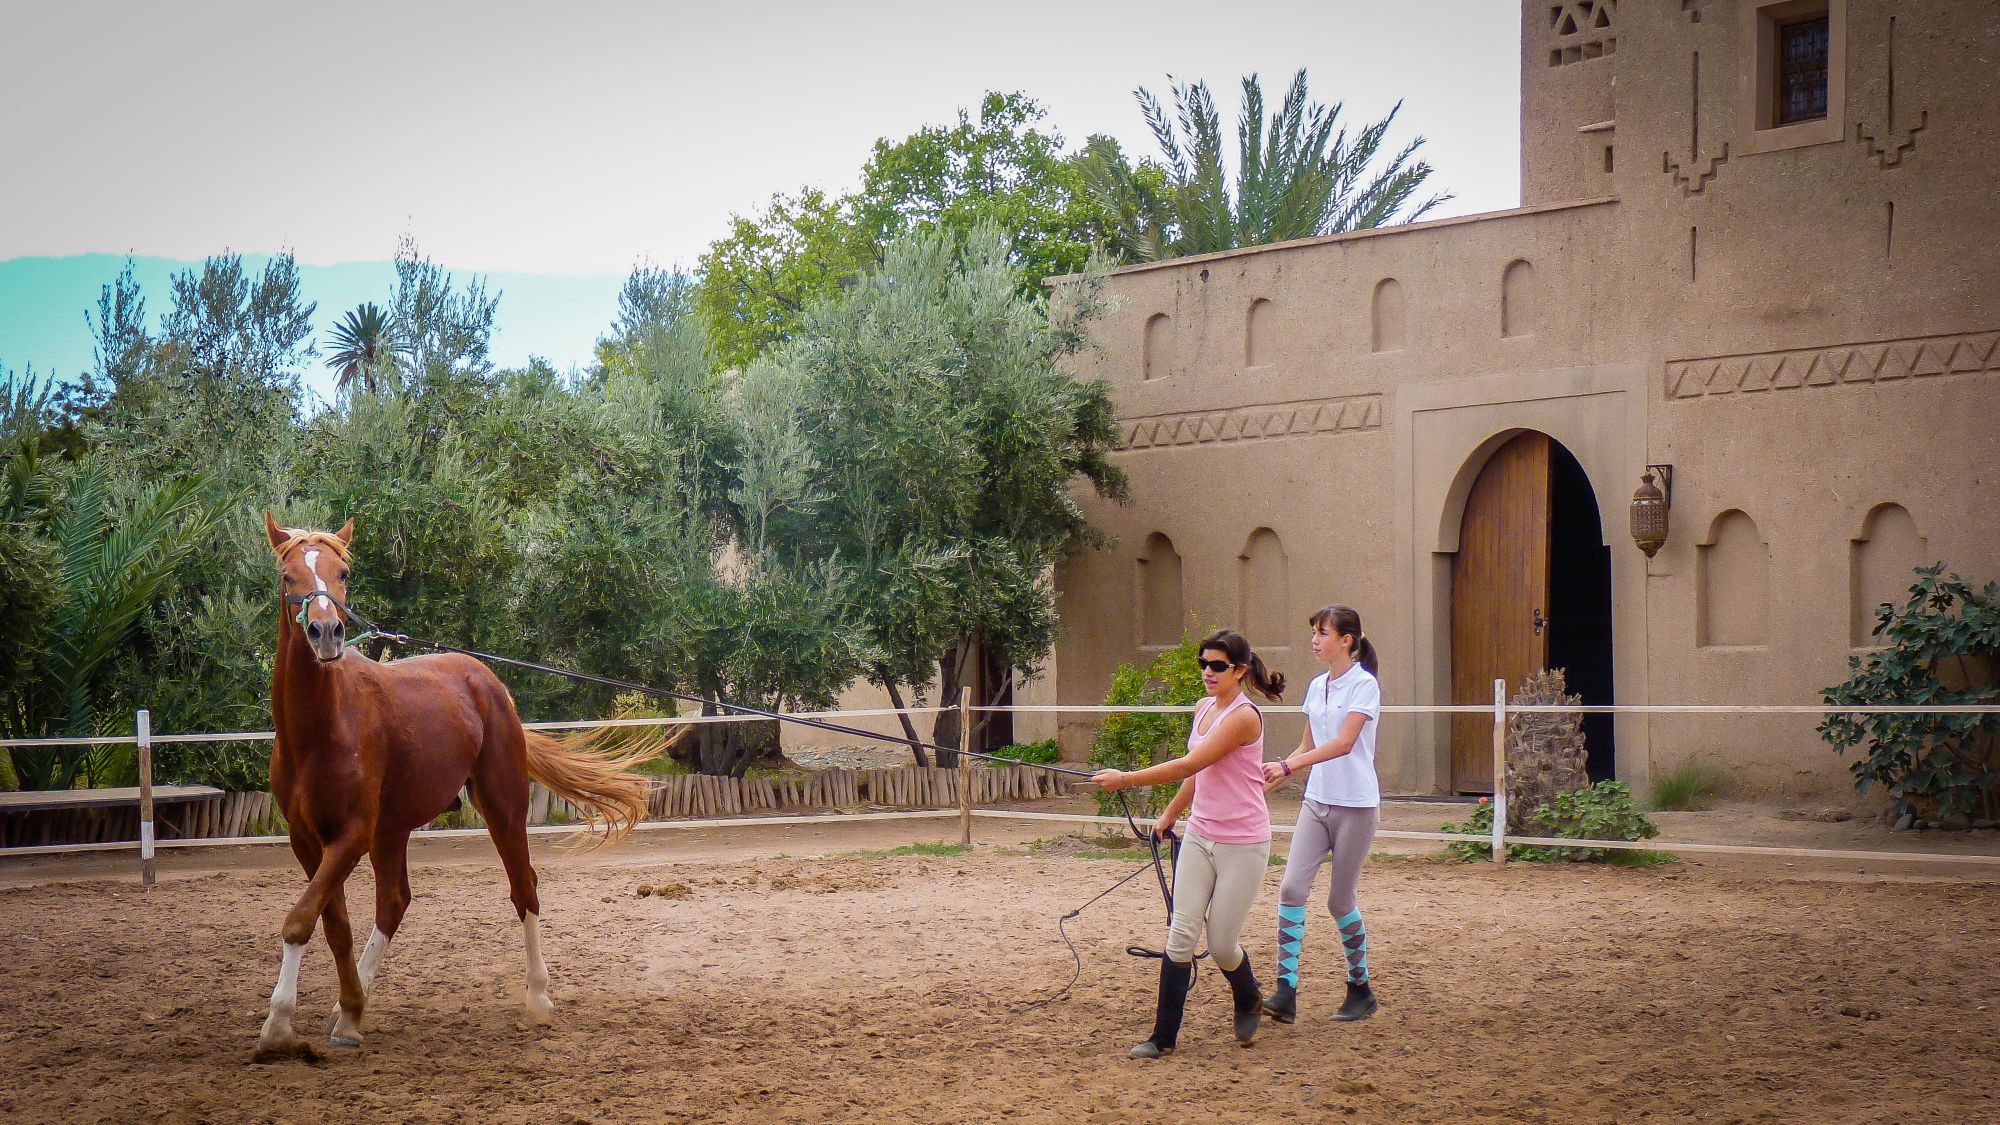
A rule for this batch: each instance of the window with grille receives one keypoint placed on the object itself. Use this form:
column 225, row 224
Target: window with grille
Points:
column 1801, row 71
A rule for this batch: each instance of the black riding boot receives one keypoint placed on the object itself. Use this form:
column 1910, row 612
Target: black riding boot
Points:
column 1175, row 977
column 1360, row 1003
column 1283, row 1003
column 1249, row 1000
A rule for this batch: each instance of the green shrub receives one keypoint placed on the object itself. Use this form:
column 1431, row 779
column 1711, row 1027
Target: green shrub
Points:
column 1602, row 812
column 233, row 767
column 1943, row 647
column 1687, row 786
column 1047, row 752
column 1135, row 740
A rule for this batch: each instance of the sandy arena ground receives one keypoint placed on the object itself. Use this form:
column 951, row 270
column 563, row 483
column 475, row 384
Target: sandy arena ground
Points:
column 780, row 975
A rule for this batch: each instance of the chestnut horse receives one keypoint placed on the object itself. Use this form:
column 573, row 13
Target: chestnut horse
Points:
column 366, row 753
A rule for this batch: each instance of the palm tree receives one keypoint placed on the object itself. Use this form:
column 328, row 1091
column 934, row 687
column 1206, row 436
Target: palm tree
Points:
column 105, row 576
column 361, row 345
column 1296, row 176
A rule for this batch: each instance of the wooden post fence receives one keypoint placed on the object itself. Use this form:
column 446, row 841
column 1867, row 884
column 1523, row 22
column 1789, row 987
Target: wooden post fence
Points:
column 1500, row 771
column 143, row 729
column 965, row 766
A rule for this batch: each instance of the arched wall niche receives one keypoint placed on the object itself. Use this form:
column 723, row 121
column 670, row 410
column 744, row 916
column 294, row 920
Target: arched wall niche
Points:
column 1520, row 299
column 1260, row 334
column 1161, row 605
column 1881, row 562
column 1264, row 582
column 1733, row 577
column 1386, row 316
column 1157, row 353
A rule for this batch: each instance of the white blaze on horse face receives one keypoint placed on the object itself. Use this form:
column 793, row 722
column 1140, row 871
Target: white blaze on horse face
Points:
column 312, row 564
column 540, row 1007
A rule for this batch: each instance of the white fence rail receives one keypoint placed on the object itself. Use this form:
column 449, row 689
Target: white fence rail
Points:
column 145, row 741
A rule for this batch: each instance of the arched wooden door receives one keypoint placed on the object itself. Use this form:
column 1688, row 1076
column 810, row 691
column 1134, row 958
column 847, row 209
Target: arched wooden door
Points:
column 1499, row 596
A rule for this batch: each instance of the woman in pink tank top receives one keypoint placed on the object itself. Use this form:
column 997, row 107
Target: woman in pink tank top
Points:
column 1221, row 866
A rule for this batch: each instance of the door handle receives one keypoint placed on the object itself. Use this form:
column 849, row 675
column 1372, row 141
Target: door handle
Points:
column 1540, row 621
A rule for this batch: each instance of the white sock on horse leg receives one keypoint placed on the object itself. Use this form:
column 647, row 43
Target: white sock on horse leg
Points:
column 539, row 1004
column 371, row 958
column 285, row 997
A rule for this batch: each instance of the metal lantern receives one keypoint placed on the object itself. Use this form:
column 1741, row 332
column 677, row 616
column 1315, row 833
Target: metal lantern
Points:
column 1649, row 510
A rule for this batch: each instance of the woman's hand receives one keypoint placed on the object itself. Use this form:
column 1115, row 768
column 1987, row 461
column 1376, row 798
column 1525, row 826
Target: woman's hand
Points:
column 1111, row 781
column 1164, row 828
column 1275, row 774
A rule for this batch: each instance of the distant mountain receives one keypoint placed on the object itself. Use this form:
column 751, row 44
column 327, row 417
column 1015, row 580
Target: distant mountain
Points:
column 44, row 301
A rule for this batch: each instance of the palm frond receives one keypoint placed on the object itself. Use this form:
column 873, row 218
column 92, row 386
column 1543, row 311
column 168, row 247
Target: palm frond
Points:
column 1299, row 173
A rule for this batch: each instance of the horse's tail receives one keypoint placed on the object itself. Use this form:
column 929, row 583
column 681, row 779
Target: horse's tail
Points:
column 594, row 776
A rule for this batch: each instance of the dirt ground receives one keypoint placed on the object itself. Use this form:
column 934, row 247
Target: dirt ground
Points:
column 784, row 973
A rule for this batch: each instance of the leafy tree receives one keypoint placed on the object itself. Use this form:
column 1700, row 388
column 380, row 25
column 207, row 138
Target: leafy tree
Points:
column 363, row 344
column 1001, row 169
column 431, row 549
column 1297, row 177
column 1942, row 647
column 1135, row 740
column 650, row 297
column 654, row 560
column 416, row 468
column 758, row 279
column 217, row 387
column 944, row 434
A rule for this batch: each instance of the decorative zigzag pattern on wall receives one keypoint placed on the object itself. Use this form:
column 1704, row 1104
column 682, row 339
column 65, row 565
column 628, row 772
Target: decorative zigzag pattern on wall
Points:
column 1693, row 178
column 1251, row 423
column 1888, row 154
column 1875, row 362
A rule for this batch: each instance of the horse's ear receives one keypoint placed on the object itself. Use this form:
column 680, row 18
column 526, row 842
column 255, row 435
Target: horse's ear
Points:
column 346, row 532
column 276, row 533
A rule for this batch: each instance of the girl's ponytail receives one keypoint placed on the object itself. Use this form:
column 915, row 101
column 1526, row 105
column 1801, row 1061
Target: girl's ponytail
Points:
column 1343, row 621
column 1364, row 655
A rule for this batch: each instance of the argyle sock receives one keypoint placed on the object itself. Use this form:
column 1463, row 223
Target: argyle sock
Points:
column 1291, row 935
column 1354, row 938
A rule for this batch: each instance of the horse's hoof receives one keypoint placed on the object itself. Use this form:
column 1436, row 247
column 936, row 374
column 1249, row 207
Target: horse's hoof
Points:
column 284, row 1050
column 342, row 1032
column 541, row 1011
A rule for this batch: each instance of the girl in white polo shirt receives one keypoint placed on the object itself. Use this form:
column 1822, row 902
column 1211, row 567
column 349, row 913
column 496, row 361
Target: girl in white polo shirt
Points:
column 1341, row 811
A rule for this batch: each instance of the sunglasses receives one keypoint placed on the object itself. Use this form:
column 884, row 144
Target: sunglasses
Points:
column 1216, row 666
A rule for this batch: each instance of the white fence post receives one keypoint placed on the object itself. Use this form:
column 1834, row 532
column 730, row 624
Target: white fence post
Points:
column 965, row 765
column 143, row 728
column 1500, row 771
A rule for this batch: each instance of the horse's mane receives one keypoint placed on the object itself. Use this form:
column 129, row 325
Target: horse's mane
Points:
column 325, row 539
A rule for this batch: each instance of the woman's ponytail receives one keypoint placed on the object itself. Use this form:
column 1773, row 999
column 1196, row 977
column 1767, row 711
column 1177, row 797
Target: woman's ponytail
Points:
column 1269, row 684
column 1230, row 643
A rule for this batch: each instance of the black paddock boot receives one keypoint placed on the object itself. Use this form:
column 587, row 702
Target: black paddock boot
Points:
column 1360, row 1003
column 1175, row 978
column 1249, row 1000
column 1283, row 1003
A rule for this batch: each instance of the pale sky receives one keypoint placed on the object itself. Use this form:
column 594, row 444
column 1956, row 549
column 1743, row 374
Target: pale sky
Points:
column 582, row 137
